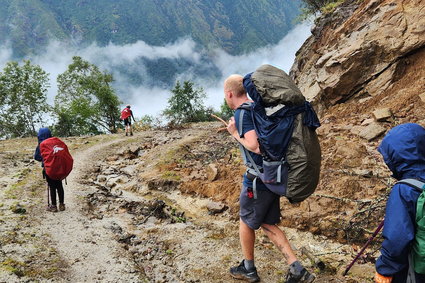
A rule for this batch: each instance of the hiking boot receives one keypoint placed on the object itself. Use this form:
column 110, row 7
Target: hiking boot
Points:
column 240, row 272
column 61, row 206
column 52, row 208
column 303, row 277
column 126, row 134
column 131, row 133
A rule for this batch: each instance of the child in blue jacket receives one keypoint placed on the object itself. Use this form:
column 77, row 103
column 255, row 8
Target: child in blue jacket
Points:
column 403, row 149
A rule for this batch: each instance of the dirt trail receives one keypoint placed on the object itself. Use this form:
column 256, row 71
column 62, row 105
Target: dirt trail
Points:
column 86, row 244
column 127, row 219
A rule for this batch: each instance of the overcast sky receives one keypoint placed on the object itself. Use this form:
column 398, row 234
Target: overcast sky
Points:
column 146, row 99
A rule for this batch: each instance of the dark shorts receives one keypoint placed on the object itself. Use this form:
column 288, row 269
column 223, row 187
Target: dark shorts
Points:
column 127, row 121
column 263, row 210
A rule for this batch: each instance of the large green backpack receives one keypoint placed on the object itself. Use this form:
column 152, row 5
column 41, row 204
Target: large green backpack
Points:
column 418, row 245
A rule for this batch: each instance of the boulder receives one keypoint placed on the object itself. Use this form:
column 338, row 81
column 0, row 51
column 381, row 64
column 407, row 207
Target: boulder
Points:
column 422, row 97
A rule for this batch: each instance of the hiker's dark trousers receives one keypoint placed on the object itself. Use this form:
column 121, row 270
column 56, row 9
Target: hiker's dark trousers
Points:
column 55, row 185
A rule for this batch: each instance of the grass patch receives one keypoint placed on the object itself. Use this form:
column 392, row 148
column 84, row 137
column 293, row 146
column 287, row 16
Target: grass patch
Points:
column 18, row 208
column 170, row 175
column 13, row 266
column 331, row 6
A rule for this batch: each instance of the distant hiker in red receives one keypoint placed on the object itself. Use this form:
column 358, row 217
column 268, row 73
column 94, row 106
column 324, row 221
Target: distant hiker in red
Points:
column 126, row 115
column 57, row 164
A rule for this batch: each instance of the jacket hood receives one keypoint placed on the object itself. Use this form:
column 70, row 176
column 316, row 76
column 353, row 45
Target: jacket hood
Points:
column 43, row 134
column 403, row 149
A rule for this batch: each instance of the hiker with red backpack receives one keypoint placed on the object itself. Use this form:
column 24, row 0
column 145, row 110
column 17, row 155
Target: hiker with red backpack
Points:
column 259, row 201
column 57, row 164
column 402, row 256
column 126, row 115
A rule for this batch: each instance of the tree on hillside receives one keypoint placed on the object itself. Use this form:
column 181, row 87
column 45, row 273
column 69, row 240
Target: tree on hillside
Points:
column 86, row 103
column 225, row 111
column 23, row 99
column 324, row 6
column 186, row 104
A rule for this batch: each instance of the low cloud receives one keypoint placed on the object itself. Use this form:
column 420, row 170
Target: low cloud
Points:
column 150, row 97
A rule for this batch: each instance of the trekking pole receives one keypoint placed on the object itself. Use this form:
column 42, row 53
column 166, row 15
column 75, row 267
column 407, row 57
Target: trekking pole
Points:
column 48, row 195
column 364, row 247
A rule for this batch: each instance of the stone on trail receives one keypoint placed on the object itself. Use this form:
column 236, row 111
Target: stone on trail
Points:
column 215, row 207
column 372, row 131
column 382, row 114
column 129, row 170
column 422, row 97
column 367, row 121
column 212, row 172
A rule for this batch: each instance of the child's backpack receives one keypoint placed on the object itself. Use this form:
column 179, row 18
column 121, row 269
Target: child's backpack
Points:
column 285, row 124
column 56, row 158
column 125, row 113
column 418, row 246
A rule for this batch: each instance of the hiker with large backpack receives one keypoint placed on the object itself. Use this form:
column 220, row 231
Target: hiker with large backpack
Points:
column 402, row 256
column 57, row 164
column 282, row 155
column 126, row 115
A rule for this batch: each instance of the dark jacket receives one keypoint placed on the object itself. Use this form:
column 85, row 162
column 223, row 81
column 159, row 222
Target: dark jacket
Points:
column 403, row 149
column 43, row 134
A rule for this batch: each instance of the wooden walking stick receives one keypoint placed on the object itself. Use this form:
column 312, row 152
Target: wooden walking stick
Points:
column 364, row 247
column 221, row 120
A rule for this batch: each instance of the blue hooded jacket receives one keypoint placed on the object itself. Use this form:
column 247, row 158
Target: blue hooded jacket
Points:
column 403, row 149
column 43, row 134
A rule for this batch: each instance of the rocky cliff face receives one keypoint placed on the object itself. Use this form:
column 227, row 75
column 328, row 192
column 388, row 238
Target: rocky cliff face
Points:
column 361, row 52
column 364, row 69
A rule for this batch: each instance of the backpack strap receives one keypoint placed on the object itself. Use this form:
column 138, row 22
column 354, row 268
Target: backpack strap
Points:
column 416, row 253
column 420, row 186
column 249, row 161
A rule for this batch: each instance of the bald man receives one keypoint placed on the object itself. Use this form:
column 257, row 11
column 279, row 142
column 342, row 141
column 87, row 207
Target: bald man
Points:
column 264, row 210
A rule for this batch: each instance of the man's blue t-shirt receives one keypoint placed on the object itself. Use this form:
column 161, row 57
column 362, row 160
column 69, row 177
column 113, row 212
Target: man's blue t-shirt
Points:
column 248, row 125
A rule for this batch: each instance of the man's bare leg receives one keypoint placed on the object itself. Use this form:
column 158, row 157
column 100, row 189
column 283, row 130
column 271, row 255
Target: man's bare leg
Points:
column 246, row 269
column 247, row 239
column 297, row 272
column 278, row 238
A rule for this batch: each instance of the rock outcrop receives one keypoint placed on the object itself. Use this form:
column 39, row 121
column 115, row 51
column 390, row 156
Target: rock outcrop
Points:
column 359, row 52
column 364, row 70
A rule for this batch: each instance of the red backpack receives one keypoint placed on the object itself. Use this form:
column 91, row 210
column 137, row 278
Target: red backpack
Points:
column 56, row 157
column 125, row 113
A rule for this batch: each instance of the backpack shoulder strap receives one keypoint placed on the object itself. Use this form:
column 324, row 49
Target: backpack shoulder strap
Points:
column 246, row 106
column 245, row 154
column 413, row 183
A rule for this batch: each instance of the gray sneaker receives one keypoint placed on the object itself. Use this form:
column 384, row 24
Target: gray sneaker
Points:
column 240, row 272
column 303, row 277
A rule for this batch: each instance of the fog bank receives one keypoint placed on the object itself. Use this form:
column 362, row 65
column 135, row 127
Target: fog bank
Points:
column 149, row 96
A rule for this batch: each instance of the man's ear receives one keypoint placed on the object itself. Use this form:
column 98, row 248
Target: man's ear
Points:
column 230, row 94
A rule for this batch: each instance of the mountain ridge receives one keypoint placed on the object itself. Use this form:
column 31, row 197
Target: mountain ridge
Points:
column 235, row 26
